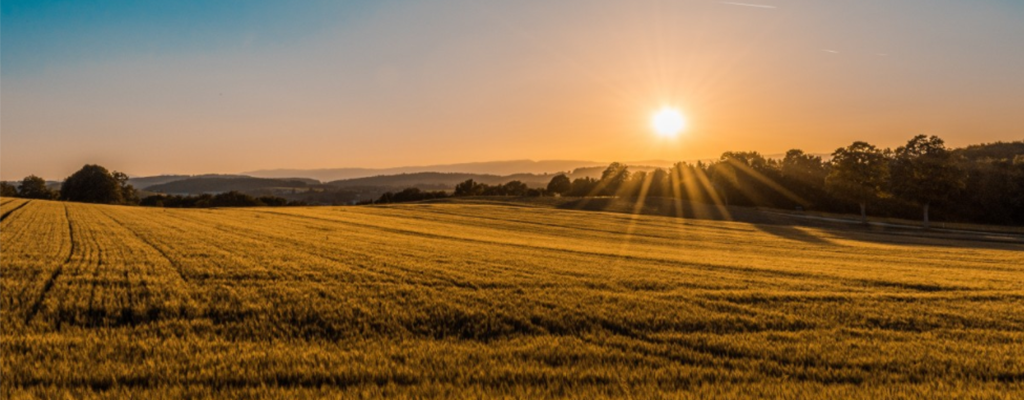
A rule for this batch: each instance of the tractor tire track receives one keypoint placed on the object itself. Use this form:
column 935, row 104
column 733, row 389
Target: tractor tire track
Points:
column 299, row 245
column 16, row 208
column 56, row 273
column 178, row 268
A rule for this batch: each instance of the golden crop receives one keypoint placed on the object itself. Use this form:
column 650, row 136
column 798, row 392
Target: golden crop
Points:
column 475, row 300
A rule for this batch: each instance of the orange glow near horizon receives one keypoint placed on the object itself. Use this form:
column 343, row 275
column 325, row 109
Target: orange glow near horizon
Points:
column 407, row 84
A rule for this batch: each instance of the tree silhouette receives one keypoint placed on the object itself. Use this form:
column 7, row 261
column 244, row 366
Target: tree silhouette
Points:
column 925, row 172
column 804, row 174
column 858, row 173
column 560, row 184
column 805, row 168
column 468, row 188
column 724, row 179
column 8, row 190
column 128, row 193
column 92, row 184
column 659, row 184
column 34, row 187
column 613, row 178
column 585, row 186
column 515, row 188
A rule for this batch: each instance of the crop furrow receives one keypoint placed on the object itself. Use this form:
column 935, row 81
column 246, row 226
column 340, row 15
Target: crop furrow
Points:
column 11, row 211
column 563, row 250
column 56, row 273
column 178, row 268
column 297, row 245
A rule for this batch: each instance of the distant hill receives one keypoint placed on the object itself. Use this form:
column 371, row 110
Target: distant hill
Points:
column 437, row 180
column 500, row 168
column 144, row 182
column 220, row 184
column 448, row 180
column 147, row 181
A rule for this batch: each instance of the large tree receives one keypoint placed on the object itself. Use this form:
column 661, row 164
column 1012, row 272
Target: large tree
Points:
column 128, row 193
column 92, row 184
column 660, row 185
column 34, row 187
column 613, row 178
column 804, row 174
column 858, row 174
column 8, row 190
column 739, row 177
column 585, row 186
column 515, row 188
column 805, row 168
column 925, row 172
column 468, row 188
column 560, row 184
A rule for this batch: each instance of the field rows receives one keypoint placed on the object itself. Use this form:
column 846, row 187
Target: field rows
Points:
column 440, row 300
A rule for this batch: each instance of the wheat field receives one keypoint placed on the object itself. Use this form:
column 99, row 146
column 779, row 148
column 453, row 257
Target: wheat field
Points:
column 490, row 300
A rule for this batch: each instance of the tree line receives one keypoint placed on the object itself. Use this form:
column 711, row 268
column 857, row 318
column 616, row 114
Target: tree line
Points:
column 91, row 184
column 979, row 183
column 468, row 187
column 982, row 183
column 96, row 184
column 226, row 199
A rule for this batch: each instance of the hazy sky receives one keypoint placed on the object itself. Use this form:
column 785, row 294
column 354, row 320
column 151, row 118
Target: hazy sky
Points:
column 228, row 86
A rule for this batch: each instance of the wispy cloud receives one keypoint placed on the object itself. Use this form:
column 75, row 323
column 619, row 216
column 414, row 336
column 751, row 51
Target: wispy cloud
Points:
column 747, row 4
column 830, row 51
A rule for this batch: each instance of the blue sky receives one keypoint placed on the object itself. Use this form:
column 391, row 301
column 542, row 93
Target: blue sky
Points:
column 39, row 34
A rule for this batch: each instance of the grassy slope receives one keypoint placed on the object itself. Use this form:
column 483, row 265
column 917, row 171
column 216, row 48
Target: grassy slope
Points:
column 464, row 300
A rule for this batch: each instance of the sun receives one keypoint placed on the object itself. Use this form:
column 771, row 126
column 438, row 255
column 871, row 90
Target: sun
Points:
column 668, row 122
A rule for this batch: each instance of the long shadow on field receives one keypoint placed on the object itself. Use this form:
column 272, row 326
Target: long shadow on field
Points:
column 786, row 226
column 791, row 233
column 913, row 237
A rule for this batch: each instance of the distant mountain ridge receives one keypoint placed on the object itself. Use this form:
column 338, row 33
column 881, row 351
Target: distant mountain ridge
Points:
column 219, row 184
column 372, row 181
column 499, row 168
column 488, row 168
column 143, row 182
column 438, row 180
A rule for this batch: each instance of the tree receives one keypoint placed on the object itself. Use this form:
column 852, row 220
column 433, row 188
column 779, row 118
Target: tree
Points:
column 585, row 186
column 925, row 172
column 128, row 193
column 8, row 190
column 633, row 185
column 560, row 184
column 660, row 184
column 691, row 182
column 410, row 194
column 156, row 200
column 468, row 188
column 515, row 188
column 724, row 179
column 234, row 199
column 613, row 178
column 803, row 167
column 34, row 187
column 858, row 173
column 92, row 184
column 804, row 174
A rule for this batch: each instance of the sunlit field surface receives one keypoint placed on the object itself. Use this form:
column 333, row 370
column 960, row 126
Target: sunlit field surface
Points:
column 477, row 300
